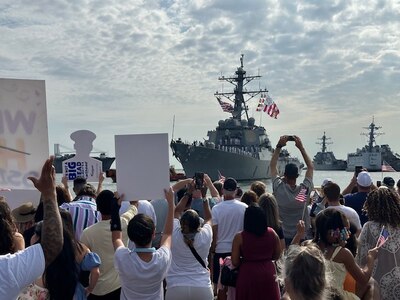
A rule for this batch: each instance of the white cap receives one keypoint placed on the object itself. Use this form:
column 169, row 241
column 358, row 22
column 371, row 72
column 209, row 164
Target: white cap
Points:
column 326, row 180
column 364, row 179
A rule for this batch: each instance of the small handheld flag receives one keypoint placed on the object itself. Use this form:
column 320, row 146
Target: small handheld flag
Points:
column 383, row 237
column 302, row 195
column 387, row 168
column 221, row 178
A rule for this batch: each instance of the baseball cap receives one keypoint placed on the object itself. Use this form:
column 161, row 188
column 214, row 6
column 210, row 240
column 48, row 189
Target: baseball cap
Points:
column 364, row 179
column 230, row 184
column 388, row 181
column 291, row 171
column 326, row 180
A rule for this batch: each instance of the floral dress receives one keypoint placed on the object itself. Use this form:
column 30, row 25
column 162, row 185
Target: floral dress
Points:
column 386, row 267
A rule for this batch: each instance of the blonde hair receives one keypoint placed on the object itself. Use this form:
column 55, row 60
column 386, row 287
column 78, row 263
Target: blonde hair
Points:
column 305, row 271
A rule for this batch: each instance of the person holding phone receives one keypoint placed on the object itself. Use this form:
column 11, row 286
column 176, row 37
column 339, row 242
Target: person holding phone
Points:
column 364, row 184
column 285, row 189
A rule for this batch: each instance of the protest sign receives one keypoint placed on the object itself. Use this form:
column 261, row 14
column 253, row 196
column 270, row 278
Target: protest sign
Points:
column 142, row 165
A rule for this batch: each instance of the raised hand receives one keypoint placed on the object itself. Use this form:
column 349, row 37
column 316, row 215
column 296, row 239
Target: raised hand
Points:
column 46, row 183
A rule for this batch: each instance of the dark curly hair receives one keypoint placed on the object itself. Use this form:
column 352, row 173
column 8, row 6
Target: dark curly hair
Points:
column 383, row 206
column 7, row 229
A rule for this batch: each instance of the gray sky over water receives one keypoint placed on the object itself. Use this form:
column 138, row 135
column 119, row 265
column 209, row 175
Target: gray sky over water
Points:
column 121, row 67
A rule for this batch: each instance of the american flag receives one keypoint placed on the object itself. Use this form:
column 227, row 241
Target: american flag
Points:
column 226, row 107
column 221, row 178
column 302, row 195
column 383, row 237
column 387, row 168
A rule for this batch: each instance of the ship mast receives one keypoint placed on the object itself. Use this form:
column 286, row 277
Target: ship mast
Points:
column 239, row 81
column 372, row 134
column 324, row 142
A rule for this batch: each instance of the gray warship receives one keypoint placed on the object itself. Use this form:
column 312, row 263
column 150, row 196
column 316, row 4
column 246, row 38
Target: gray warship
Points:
column 373, row 156
column 326, row 160
column 237, row 148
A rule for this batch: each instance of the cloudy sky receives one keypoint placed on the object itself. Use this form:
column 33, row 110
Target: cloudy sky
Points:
column 121, row 67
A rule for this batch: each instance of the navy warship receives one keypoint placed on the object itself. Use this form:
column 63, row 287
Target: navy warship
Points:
column 373, row 156
column 326, row 160
column 237, row 148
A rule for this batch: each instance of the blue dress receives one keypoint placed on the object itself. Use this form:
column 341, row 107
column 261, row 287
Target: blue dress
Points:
column 90, row 260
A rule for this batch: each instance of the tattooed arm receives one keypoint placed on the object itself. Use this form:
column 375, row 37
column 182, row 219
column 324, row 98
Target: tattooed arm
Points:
column 52, row 233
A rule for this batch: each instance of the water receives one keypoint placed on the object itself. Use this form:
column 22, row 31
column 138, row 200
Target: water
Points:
column 342, row 178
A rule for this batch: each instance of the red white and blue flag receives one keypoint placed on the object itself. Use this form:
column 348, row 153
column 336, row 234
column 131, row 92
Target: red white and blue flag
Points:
column 226, row 107
column 302, row 195
column 383, row 237
column 268, row 105
column 387, row 168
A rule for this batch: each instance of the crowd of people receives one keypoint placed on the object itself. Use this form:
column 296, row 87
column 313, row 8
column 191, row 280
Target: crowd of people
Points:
column 297, row 241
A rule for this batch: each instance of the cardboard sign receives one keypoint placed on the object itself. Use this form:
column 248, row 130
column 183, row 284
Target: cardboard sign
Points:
column 24, row 144
column 142, row 165
column 82, row 165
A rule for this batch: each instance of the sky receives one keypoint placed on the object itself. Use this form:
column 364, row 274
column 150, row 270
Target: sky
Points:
column 128, row 67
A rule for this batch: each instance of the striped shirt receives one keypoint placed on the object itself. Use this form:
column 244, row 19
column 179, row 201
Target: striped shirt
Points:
column 84, row 213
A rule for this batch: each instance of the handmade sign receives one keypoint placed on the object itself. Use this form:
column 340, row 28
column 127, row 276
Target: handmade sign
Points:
column 142, row 165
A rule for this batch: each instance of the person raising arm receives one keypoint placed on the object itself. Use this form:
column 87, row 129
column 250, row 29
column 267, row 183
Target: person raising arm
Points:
column 22, row 268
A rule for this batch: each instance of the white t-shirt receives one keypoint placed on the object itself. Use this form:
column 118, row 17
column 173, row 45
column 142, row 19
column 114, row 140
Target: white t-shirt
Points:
column 229, row 216
column 350, row 214
column 185, row 269
column 20, row 269
column 140, row 279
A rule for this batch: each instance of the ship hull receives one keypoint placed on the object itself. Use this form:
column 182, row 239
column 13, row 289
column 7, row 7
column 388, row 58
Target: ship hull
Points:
column 327, row 167
column 107, row 162
column 372, row 161
column 211, row 161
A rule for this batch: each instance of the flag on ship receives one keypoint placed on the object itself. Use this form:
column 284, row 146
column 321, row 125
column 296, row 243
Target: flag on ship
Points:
column 302, row 195
column 226, row 107
column 268, row 105
column 387, row 168
column 383, row 237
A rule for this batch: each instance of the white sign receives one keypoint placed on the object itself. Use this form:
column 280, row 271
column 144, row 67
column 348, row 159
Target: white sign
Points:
column 82, row 165
column 142, row 165
column 24, row 144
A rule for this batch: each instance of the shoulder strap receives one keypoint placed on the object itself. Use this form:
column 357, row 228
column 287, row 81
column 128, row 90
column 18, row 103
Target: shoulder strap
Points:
column 335, row 252
column 199, row 259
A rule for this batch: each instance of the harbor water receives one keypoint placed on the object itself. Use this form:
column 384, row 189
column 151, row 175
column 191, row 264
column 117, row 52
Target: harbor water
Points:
column 342, row 178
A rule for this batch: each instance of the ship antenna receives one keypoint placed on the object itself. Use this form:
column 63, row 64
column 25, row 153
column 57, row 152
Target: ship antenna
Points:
column 241, row 60
column 173, row 127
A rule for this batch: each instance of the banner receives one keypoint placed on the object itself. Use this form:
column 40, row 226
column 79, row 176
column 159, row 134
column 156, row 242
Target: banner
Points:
column 24, row 142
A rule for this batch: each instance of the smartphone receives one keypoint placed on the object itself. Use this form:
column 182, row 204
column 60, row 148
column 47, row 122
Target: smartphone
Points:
column 290, row 138
column 378, row 183
column 357, row 170
column 198, row 180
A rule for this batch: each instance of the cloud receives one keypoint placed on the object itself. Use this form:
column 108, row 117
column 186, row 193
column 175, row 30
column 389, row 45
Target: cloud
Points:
column 118, row 66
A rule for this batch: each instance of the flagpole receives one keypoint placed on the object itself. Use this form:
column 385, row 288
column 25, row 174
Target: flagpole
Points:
column 304, row 210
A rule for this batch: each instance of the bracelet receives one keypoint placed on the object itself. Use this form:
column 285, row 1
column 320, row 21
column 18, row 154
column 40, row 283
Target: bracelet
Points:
column 279, row 145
